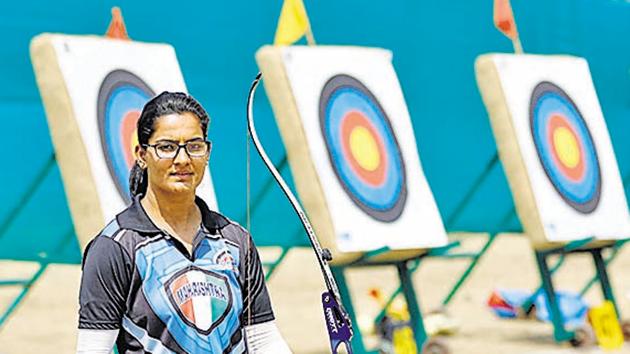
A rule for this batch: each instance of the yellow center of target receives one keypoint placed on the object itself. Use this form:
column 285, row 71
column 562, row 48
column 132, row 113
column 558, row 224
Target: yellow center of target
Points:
column 364, row 148
column 567, row 147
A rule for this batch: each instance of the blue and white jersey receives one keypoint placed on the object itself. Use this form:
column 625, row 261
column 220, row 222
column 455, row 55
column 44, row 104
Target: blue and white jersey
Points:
column 142, row 281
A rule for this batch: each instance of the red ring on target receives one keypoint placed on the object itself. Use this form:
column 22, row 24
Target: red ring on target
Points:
column 129, row 135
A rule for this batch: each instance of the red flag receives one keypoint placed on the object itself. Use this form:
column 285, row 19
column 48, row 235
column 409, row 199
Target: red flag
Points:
column 504, row 18
column 117, row 28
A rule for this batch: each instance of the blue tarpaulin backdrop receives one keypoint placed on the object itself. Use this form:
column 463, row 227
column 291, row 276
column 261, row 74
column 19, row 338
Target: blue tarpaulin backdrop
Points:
column 434, row 43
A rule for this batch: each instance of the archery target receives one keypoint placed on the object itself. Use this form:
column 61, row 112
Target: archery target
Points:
column 120, row 100
column 93, row 90
column 565, row 147
column 352, row 149
column 362, row 147
column 555, row 147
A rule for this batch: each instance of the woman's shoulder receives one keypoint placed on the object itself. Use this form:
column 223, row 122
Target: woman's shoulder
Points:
column 115, row 238
column 119, row 231
column 111, row 229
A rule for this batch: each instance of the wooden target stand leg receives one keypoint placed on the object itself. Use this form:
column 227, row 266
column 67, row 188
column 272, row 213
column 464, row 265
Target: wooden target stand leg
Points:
column 602, row 275
column 417, row 323
column 561, row 333
column 528, row 306
column 614, row 251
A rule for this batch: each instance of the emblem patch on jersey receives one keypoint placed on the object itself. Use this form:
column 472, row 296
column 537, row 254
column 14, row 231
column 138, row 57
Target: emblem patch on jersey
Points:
column 224, row 258
column 202, row 298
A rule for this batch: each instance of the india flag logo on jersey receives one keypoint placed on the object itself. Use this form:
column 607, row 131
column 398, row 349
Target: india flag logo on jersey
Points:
column 202, row 298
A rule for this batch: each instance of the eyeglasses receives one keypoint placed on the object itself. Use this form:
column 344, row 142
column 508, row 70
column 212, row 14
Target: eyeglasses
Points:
column 170, row 149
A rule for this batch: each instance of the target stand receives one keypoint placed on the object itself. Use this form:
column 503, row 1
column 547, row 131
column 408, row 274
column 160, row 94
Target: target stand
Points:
column 353, row 156
column 555, row 148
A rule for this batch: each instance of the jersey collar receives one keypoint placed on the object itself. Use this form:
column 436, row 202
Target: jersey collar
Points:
column 136, row 218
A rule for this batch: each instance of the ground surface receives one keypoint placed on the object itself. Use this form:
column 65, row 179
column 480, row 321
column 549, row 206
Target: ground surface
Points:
column 46, row 320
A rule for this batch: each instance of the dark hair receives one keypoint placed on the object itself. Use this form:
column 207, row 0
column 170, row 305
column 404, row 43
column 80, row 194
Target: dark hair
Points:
column 160, row 105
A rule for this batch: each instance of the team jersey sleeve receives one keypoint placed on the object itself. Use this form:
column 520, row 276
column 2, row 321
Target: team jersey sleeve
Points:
column 256, row 302
column 104, row 284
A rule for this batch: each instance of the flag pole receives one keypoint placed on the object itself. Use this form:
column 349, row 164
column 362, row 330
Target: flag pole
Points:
column 516, row 43
column 310, row 39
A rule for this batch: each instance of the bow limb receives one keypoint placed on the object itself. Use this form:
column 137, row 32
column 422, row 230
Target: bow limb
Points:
column 337, row 319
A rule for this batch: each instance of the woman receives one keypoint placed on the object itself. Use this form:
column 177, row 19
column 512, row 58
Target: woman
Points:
column 168, row 274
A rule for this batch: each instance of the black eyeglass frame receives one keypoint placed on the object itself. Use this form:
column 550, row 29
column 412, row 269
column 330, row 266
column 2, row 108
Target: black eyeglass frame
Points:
column 179, row 147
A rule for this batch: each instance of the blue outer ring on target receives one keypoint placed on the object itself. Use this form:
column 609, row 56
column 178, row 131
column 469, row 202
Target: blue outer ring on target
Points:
column 342, row 94
column 546, row 101
column 120, row 93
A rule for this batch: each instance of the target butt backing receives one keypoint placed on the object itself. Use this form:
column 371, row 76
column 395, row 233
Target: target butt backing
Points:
column 86, row 83
column 350, row 144
column 555, row 148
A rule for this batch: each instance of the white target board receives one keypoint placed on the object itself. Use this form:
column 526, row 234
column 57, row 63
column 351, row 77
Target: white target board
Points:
column 93, row 90
column 351, row 146
column 555, row 147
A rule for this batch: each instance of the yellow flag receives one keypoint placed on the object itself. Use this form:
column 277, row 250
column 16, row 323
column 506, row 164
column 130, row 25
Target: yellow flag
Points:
column 292, row 24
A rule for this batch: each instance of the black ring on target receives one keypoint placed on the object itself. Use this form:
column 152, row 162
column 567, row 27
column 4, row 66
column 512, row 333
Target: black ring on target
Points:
column 121, row 97
column 362, row 147
column 565, row 147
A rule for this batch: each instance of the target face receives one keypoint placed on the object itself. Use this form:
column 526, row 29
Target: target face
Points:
column 362, row 147
column 120, row 100
column 565, row 147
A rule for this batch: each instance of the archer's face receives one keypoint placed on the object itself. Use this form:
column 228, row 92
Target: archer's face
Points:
column 180, row 173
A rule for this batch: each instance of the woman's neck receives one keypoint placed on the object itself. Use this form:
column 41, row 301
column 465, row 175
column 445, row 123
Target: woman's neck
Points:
column 177, row 213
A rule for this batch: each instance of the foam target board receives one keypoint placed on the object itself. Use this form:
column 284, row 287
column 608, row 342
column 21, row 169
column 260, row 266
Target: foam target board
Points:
column 93, row 89
column 554, row 144
column 352, row 150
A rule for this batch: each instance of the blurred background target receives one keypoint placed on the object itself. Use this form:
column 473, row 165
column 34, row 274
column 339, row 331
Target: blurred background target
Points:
column 120, row 100
column 363, row 149
column 565, row 147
